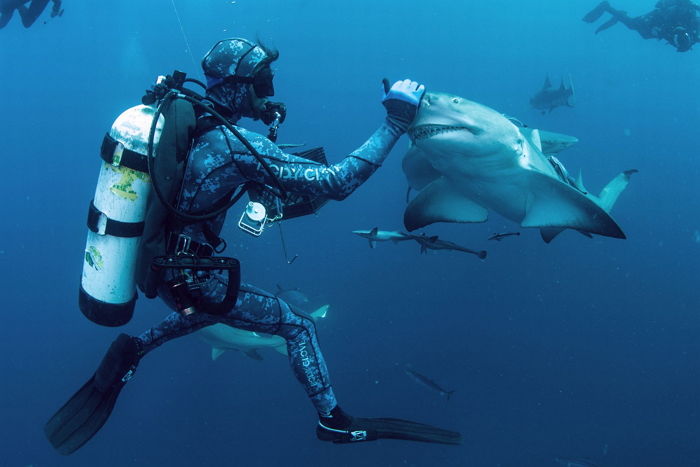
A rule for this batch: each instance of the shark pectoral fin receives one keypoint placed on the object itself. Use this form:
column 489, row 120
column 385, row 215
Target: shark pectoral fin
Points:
column 439, row 202
column 254, row 354
column 609, row 194
column 321, row 312
column 216, row 352
column 419, row 172
column 554, row 204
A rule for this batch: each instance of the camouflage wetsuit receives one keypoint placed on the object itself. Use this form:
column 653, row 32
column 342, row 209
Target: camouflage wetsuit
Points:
column 218, row 162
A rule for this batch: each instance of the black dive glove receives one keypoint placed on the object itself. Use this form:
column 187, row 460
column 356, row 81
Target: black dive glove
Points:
column 401, row 101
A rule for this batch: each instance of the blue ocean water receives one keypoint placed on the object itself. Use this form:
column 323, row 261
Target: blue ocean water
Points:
column 579, row 348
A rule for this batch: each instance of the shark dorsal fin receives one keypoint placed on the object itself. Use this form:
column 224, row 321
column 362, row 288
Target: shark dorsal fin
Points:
column 547, row 83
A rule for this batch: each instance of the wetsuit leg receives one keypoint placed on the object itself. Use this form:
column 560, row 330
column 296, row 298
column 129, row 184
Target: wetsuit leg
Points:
column 30, row 14
column 259, row 311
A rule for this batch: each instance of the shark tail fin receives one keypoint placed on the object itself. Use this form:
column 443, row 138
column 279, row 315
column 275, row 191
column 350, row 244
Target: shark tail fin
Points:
column 372, row 243
column 609, row 194
column 321, row 312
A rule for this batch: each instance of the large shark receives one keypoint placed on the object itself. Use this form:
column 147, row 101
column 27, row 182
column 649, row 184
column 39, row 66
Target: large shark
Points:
column 222, row 337
column 467, row 159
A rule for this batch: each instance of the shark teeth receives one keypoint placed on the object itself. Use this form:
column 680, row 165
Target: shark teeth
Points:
column 428, row 131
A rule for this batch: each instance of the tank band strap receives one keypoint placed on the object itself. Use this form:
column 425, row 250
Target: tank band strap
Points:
column 114, row 153
column 99, row 223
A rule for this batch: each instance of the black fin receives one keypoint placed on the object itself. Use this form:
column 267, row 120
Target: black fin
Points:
column 314, row 154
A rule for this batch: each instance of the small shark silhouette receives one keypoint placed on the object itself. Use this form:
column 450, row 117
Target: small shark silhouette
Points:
column 428, row 383
column 549, row 98
column 375, row 235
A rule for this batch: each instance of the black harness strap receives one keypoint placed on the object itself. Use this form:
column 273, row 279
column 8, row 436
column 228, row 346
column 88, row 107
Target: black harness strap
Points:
column 99, row 223
column 128, row 158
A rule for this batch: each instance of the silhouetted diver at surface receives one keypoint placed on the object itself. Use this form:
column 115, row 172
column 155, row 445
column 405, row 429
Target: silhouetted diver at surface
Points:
column 675, row 21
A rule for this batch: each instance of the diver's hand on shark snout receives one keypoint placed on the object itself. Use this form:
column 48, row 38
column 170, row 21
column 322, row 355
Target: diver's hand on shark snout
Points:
column 401, row 101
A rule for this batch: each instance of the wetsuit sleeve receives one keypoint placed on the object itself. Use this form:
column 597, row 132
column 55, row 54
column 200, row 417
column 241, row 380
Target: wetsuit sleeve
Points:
column 302, row 176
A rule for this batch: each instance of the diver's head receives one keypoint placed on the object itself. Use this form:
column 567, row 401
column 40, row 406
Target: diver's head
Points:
column 682, row 39
column 239, row 77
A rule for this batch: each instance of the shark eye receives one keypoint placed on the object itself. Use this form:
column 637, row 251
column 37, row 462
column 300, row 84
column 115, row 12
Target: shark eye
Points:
column 455, row 100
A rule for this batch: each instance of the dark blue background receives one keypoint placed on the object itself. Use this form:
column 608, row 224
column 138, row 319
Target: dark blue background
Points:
column 569, row 349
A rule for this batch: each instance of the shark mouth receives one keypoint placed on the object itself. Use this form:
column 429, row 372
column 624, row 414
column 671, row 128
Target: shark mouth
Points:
column 428, row 131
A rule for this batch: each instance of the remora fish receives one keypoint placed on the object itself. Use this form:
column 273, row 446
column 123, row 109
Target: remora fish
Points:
column 467, row 159
column 549, row 98
column 434, row 243
column 427, row 382
column 500, row 236
column 376, row 235
column 222, row 337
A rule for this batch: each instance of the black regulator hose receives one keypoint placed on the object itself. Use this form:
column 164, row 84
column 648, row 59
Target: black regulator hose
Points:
column 188, row 96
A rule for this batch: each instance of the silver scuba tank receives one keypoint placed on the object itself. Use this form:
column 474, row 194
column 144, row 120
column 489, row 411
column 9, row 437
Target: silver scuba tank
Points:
column 116, row 219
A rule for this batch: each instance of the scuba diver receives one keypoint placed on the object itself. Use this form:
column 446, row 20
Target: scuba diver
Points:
column 674, row 21
column 28, row 14
column 222, row 162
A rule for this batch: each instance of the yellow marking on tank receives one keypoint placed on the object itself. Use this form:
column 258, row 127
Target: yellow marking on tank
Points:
column 123, row 188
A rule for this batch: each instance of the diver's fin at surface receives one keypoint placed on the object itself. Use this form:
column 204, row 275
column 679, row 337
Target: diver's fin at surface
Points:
column 608, row 24
column 596, row 12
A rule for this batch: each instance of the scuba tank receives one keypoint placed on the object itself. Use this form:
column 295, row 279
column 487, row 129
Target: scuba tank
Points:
column 116, row 219
column 145, row 151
